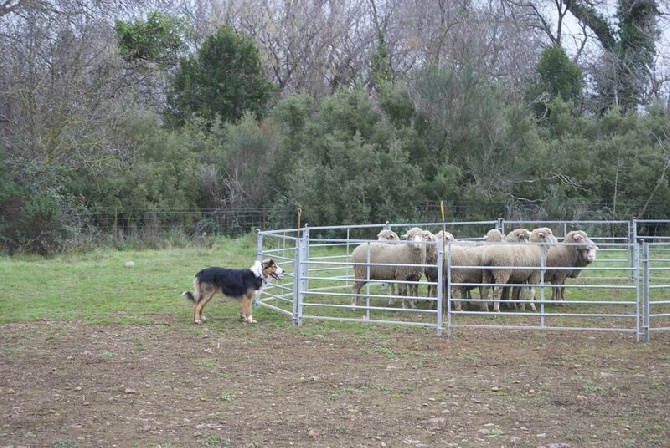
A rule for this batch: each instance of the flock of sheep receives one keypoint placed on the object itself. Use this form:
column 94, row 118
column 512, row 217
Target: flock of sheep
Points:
column 512, row 264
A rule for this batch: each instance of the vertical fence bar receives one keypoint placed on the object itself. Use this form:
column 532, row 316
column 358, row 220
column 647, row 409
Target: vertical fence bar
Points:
column 303, row 254
column 639, row 279
column 448, row 288
column 440, row 289
column 632, row 239
column 259, row 256
column 297, row 292
column 646, row 309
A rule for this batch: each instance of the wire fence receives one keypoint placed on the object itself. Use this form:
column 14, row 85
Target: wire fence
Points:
column 123, row 225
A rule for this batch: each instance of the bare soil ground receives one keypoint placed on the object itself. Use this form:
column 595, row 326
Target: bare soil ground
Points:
column 173, row 384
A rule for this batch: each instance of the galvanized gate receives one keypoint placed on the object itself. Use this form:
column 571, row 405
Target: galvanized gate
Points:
column 626, row 290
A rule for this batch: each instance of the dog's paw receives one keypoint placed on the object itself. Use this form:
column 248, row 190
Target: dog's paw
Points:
column 197, row 322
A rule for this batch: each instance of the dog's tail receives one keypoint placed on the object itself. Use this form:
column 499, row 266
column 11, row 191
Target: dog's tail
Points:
column 188, row 295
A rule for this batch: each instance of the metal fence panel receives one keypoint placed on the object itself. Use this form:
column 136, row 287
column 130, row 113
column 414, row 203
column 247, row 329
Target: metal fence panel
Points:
column 627, row 289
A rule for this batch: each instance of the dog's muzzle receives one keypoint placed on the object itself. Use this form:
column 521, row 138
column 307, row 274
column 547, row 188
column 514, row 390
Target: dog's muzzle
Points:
column 279, row 273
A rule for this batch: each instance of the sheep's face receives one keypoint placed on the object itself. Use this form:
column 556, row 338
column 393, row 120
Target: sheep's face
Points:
column 387, row 235
column 586, row 248
column 428, row 236
column 518, row 236
column 446, row 236
column 588, row 254
column 541, row 235
column 414, row 235
column 493, row 236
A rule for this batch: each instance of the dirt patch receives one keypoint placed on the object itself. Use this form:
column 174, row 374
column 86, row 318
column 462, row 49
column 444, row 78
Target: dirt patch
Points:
column 226, row 384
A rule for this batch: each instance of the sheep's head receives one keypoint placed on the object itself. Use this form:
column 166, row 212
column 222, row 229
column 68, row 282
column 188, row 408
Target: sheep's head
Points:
column 414, row 234
column 588, row 255
column 587, row 249
column 445, row 236
column 518, row 236
column 542, row 235
column 428, row 236
column 494, row 236
column 387, row 235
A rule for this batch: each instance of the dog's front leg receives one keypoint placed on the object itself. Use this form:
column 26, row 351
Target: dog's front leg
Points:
column 246, row 304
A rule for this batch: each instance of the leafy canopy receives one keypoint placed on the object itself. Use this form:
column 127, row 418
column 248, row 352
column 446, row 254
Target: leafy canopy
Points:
column 224, row 79
column 160, row 39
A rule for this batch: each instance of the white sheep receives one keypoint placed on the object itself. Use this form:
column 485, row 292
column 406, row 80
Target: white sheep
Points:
column 585, row 256
column 389, row 235
column 505, row 263
column 460, row 253
column 515, row 236
column 537, row 235
column 577, row 250
column 399, row 262
column 463, row 253
column 431, row 272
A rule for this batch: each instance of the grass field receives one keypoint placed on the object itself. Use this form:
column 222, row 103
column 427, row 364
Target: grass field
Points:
column 95, row 353
column 99, row 287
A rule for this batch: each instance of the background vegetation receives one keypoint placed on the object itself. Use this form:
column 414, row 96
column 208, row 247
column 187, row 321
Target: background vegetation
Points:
column 353, row 112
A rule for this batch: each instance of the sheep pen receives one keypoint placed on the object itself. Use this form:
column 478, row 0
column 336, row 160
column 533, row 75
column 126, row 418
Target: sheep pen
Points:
column 326, row 285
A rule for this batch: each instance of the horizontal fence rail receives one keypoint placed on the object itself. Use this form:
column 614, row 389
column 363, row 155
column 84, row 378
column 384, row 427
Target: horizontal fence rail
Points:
column 627, row 288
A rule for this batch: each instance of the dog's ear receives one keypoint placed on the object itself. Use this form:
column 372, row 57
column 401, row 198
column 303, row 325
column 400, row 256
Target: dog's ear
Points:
column 269, row 262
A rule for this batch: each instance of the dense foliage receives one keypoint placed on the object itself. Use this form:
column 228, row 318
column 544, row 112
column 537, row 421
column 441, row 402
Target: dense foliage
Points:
column 202, row 127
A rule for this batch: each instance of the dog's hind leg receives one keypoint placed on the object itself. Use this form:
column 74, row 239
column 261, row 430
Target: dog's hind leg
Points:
column 202, row 298
column 246, row 302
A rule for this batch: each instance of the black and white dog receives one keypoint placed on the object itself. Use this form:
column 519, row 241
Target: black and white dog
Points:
column 240, row 284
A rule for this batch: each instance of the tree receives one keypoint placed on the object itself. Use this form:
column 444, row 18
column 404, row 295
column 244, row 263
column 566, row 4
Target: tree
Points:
column 558, row 75
column 627, row 46
column 381, row 72
column 160, row 39
column 223, row 80
column 348, row 163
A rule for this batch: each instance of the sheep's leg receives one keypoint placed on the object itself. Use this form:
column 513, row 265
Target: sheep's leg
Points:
column 356, row 290
column 497, row 294
column 531, row 297
column 413, row 289
column 498, row 287
column 392, row 287
column 458, row 306
column 487, row 278
column 559, row 294
column 500, row 280
column 483, row 296
column 432, row 290
column 517, row 295
column 402, row 291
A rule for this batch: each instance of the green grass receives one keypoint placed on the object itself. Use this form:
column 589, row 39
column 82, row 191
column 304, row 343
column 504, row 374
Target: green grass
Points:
column 99, row 288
